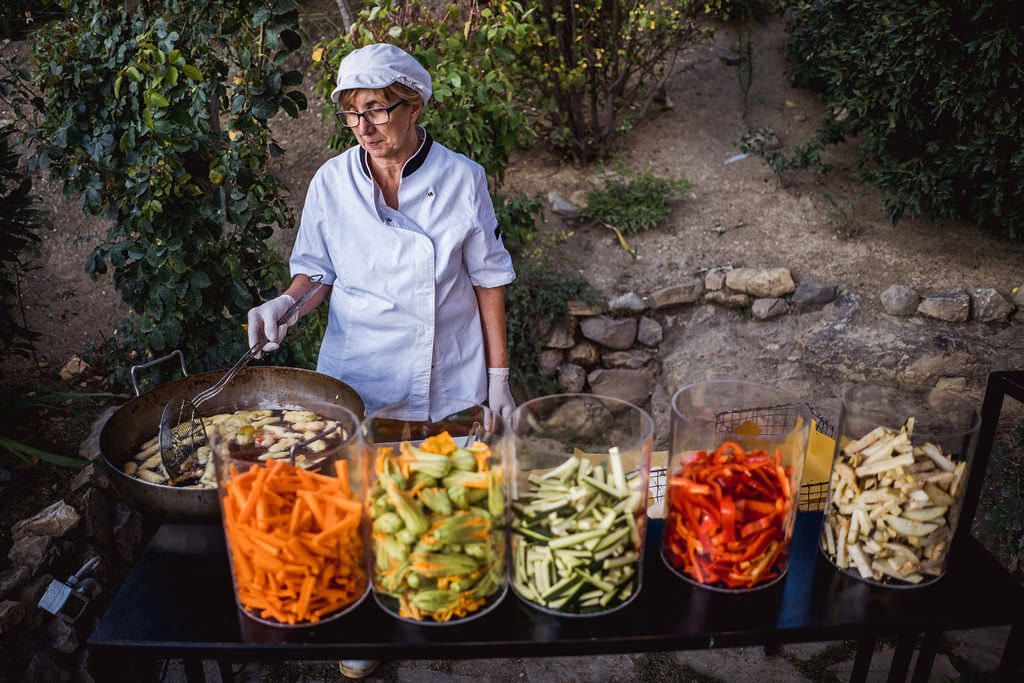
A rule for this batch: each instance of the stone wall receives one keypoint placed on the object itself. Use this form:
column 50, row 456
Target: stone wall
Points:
column 35, row 646
column 613, row 348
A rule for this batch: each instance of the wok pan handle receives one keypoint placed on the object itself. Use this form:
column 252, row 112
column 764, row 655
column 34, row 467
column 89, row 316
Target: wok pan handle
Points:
column 156, row 361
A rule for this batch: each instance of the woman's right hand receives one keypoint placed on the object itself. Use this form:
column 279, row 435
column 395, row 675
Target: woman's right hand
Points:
column 264, row 326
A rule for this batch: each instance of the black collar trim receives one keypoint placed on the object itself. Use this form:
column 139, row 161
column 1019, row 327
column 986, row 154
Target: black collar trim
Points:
column 411, row 166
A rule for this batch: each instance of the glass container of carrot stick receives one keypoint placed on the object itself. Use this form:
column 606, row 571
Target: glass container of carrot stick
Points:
column 897, row 483
column 437, row 508
column 737, row 452
column 578, row 474
column 291, row 486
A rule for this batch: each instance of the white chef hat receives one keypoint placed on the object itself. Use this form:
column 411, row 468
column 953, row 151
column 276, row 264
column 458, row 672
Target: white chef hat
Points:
column 378, row 66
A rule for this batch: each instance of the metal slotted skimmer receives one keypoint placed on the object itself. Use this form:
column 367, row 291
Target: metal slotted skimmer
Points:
column 182, row 430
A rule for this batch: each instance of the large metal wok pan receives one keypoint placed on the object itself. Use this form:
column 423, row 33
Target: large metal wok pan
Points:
column 255, row 387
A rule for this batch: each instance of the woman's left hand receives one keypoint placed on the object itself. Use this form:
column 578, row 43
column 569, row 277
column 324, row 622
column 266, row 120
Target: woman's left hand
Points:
column 499, row 395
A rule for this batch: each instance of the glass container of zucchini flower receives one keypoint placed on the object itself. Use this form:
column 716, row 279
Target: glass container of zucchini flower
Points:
column 737, row 453
column 291, row 484
column 897, row 483
column 578, row 472
column 437, row 505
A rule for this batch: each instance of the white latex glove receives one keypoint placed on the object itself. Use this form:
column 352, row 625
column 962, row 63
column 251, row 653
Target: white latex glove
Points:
column 263, row 325
column 499, row 395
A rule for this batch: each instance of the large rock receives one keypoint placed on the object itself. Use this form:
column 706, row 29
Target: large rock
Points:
column 715, row 279
column 55, row 521
column 35, row 553
column 571, row 378
column 94, row 507
column 631, row 359
column 561, row 335
column 562, row 206
column 614, row 333
column 583, row 308
column 900, row 300
column 724, row 297
column 581, row 416
column 62, row 636
column 127, row 531
column 649, row 332
column 585, row 354
column 953, row 306
column 630, row 302
column 91, row 475
column 684, row 293
column 13, row 579
column 766, row 309
column 632, row 386
column 810, row 293
column 11, row 614
column 548, row 361
column 990, row 306
column 43, row 668
column 761, row 282
column 89, row 449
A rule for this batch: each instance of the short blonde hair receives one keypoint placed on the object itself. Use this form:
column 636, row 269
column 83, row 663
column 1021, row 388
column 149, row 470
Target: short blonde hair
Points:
column 395, row 91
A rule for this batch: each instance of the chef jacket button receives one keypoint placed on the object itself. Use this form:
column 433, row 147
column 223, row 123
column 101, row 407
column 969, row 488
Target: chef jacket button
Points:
column 430, row 193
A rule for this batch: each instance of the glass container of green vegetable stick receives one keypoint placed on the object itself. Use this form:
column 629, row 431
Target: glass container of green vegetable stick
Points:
column 577, row 470
column 437, row 505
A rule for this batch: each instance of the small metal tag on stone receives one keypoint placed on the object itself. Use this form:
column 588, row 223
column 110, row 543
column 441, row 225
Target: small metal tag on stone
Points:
column 67, row 600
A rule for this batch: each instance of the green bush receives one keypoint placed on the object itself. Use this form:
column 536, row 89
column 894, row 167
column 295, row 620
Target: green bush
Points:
column 634, row 205
column 596, row 67
column 157, row 119
column 470, row 54
column 934, row 92
column 20, row 223
column 517, row 218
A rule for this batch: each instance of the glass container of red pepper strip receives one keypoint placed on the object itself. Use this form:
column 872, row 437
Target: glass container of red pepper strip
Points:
column 737, row 453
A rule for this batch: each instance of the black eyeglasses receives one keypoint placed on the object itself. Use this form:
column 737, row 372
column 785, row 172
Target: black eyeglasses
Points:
column 374, row 116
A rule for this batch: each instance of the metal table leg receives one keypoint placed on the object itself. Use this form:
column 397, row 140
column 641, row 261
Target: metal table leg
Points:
column 1013, row 658
column 926, row 657
column 227, row 674
column 901, row 658
column 862, row 663
column 194, row 670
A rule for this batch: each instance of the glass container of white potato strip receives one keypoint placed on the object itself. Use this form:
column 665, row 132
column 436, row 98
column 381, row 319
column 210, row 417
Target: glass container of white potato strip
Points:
column 578, row 477
column 897, row 482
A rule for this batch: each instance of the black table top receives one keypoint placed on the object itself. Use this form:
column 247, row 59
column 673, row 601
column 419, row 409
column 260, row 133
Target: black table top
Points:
column 178, row 601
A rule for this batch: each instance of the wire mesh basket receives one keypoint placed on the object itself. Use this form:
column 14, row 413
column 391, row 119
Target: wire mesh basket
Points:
column 771, row 421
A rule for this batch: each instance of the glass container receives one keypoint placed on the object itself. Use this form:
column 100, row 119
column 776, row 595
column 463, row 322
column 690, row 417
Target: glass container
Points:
column 437, row 507
column 578, row 474
column 291, row 485
column 737, row 453
column 897, row 482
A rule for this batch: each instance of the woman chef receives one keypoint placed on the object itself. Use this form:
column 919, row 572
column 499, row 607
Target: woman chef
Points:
column 404, row 231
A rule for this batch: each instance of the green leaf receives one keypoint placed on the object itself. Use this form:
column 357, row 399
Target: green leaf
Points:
column 261, row 16
column 171, row 76
column 192, row 72
column 395, row 31
column 25, row 451
column 133, row 74
column 156, row 99
column 455, row 80
column 117, row 87
column 264, row 109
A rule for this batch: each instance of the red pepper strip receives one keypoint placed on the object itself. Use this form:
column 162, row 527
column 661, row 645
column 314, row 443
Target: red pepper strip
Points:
column 728, row 519
column 778, row 458
column 761, row 507
column 766, row 522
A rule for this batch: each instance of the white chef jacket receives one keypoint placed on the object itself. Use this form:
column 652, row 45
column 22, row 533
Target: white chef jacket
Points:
column 403, row 323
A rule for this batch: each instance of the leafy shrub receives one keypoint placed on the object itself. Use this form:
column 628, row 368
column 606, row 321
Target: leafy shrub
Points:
column 20, row 223
column 597, row 66
column 158, row 119
column 640, row 203
column 742, row 10
column 935, row 92
column 470, row 54
column 517, row 218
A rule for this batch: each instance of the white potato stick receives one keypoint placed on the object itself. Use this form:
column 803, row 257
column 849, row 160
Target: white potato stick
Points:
column 933, row 452
column 880, row 466
column 909, row 527
column 860, row 561
column 925, row 514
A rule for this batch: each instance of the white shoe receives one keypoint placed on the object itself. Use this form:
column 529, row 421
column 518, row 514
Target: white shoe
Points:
column 357, row 668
